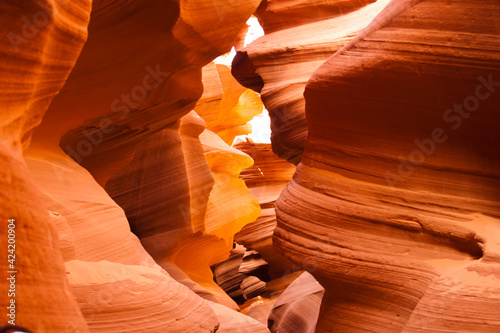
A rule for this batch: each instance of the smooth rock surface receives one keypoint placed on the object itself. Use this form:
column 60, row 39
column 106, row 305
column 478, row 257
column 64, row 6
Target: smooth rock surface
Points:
column 39, row 44
column 400, row 178
column 279, row 64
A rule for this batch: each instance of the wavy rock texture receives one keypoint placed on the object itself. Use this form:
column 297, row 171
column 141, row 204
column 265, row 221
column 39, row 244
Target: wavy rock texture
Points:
column 116, row 97
column 252, row 287
column 199, row 175
column 260, row 308
column 230, row 205
column 279, row 64
column 158, row 214
column 39, row 44
column 118, row 298
column 275, row 15
column 118, row 94
column 400, row 177
column 225, row 105
column 266, row 179
column 195, row 255
column 91, row 223
column 235, row 322
column 297, row 309
column 241, row 275
column 227, row 276
column 106, row 264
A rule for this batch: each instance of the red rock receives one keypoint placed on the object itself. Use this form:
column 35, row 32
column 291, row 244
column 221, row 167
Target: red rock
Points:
column 279, row 64
column 40, row 42
column 225, row 105
column 297, row 309
column 266, row 179
column 399, row 223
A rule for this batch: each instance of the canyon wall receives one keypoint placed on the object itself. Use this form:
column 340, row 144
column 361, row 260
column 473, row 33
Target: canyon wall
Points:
column 400, row 177
column 86, row 102
column 40, row 42
column 300, row 36
column 127, row 202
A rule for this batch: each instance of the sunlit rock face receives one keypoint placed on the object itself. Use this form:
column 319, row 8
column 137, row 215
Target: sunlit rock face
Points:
column 117, row 96
column 230, row 205
column 266, row 179
column 114, row 118
column 396, row 202
column 226, row 106
column 158, row 215
column 184, row 180
column 118, row 93
column 108, row 297
column 39, row 44
column 279, row 64
column 297, row 309
column 277, row 15
column 106, row 265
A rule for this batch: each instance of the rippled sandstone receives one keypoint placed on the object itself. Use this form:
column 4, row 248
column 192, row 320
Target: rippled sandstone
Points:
column 279, row 64
column 401, row 174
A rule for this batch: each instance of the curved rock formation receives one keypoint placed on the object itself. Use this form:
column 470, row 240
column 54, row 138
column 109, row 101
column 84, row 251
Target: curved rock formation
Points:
column 266, row 179
column 235, row 322
column 158, row 215
column 279, row 64
column 226, row 106
column 118, row 94
column 39, row 44
column 92, row 225
column 230, row 207
column 400, row 178
column 117, row 298
column 277, row 15
column 297, row 309
column 226, row 215
column 116, row 97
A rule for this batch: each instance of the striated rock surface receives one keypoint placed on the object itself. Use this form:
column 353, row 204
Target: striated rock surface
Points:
column 235, row 322
column 394, row 207
column 400, row 178
column 252, row 287
column 266, row 179
column 158, row 215
column 227, row 274
column 195, row 255
column 39, row 44
column 230, row 205
column 277, row 15
column 300, row 36
column 242, row 275
column 92, row 225
column 297, row 309
column 141, row 297
column 119, row 94
column 226, row 105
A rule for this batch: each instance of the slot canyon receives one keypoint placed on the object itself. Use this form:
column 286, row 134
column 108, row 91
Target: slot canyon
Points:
column 279, row 166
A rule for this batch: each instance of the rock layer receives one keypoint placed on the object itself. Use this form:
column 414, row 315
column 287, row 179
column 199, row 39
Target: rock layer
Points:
column 226, row 106
column 39, row 44
column 401, row 174
column 266, row 179
column 279, row 64
column 99, row 109
column 106, row 291
column 297, row 309
column 139, row 93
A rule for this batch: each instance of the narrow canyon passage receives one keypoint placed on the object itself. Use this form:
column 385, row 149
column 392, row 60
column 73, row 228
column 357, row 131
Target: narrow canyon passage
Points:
column 280, row 166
